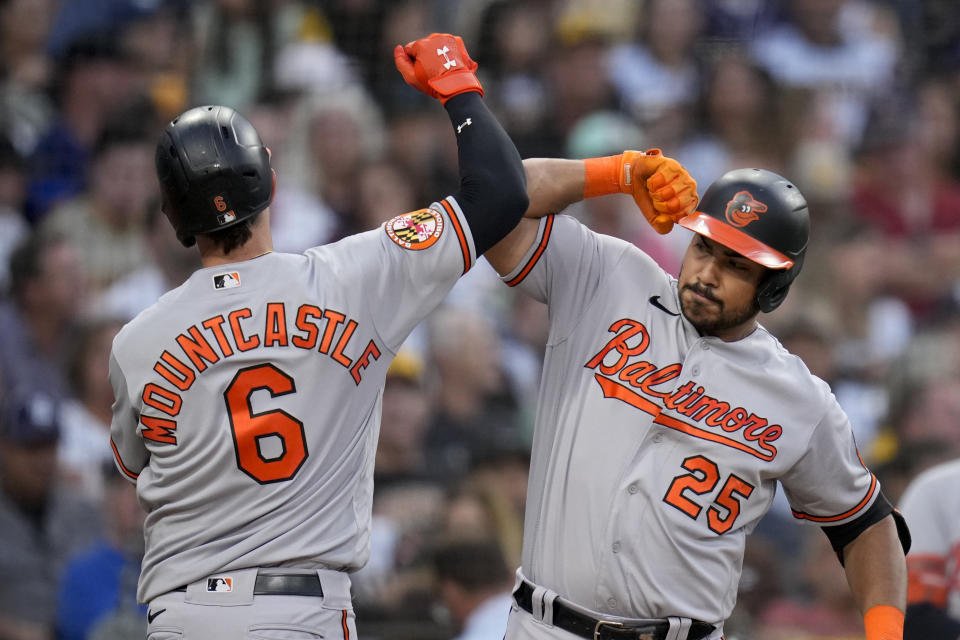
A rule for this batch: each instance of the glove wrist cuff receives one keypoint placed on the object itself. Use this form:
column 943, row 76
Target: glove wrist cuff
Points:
column 454, row 84
column 883, row 622
column 601, row 176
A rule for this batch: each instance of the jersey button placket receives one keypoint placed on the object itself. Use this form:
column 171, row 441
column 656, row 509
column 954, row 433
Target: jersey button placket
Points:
column 633, row 488
column 615, row 547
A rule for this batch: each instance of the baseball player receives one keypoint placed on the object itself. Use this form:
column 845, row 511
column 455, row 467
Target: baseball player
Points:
column 247, row 401
column 667, row 414
column 930, row 504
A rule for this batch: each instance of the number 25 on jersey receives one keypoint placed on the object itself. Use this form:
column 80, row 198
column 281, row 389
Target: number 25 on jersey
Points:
column 702, row 478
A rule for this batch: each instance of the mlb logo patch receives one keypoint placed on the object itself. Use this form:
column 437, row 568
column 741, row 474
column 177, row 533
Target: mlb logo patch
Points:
column 220, row 584
column 226, row 280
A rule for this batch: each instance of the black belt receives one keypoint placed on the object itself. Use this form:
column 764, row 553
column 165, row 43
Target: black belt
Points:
column 596, row 629
column 283, row 584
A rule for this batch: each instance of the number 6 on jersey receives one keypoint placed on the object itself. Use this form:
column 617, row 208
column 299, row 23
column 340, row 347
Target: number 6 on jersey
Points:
column 249, row 428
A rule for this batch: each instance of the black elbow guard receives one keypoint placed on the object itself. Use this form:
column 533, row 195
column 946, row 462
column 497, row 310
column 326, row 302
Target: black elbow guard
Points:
column 842, row 535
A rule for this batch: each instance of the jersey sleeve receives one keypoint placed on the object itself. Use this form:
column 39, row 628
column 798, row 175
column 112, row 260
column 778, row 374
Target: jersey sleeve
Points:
column 405, row 268
column 829, row 484
column 129, row 453
column 564, row 268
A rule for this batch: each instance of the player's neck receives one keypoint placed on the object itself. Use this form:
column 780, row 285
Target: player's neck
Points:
column 738, row 332
column 260, row 242
column 212, row 255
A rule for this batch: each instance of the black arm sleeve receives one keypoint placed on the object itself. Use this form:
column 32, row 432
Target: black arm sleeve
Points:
column 493, row 188
column 842, row 535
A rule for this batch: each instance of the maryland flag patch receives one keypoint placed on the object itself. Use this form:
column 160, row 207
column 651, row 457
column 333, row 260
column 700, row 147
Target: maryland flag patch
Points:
column 415, row 230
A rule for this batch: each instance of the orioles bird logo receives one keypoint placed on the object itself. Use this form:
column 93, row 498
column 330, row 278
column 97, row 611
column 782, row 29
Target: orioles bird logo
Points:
column 743, row 209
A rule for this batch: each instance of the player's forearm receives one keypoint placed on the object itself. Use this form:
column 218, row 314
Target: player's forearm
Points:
column 877, row 573
column 552, row 184
column 492, row 192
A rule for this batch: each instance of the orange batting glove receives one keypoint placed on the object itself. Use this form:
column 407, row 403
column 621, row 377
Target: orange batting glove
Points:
column 438, row 66
column 661, row 187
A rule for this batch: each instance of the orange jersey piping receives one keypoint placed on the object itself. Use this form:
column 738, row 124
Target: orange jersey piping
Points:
column 116, row 454
column 464, row 245
column 536, row 254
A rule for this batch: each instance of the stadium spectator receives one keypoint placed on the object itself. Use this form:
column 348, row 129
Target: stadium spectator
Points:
column 105, row 222
column 41, row 524
column 474, row 583
column 47, row 287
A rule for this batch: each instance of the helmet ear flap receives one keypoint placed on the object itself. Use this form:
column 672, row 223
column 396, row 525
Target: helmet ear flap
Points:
column 772, row 292
column 773, row 287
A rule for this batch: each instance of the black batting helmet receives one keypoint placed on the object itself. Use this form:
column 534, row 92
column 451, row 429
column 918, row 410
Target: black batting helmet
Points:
column 761, row 216
column 213, row 170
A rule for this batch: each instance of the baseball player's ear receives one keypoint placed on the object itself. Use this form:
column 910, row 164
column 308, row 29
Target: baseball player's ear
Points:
column 273, row 185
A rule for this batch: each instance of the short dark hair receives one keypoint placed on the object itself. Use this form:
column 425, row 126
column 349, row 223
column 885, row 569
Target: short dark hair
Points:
column 236, row 235
column 475, row 564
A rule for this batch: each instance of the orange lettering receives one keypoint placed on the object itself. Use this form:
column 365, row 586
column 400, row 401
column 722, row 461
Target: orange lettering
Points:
column 158, row 429
column 659, row 377
column 215, row 324
column 333, row 321
column 243, row 343
column 673, row 401
column 619, row 342
column 197, row 349
column 183, row 381
column 364, row 360
column 275, row 329
column 342, row 344
column 161, row 399
column 707, row 407
column 684, row 407
column 735, row 419
column 633, row 372
column 310, row 328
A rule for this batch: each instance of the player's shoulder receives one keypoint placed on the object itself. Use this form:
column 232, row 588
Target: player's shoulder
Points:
column 343, row 249
column 145, row 322
column 776, row 359
column 568, row 229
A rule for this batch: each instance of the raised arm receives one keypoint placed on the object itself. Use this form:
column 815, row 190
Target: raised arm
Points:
column 660, row 186
column 492, row 193
column 877, row 573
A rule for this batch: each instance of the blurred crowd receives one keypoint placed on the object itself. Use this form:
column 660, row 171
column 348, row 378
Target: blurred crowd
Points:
column 856, row 101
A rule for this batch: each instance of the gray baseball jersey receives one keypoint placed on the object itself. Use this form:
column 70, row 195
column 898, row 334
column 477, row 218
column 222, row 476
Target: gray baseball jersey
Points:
column 931, row 505
column 248, row 399
column 657, row 450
